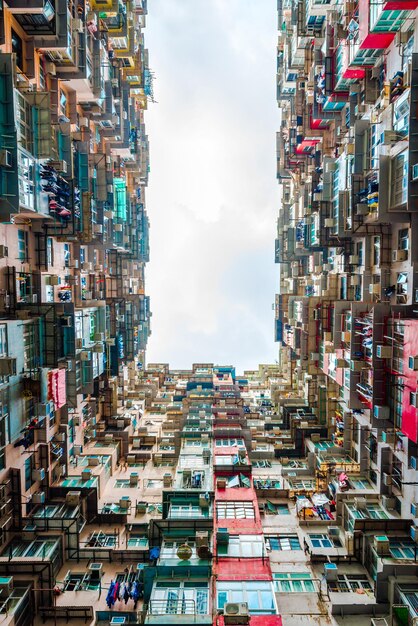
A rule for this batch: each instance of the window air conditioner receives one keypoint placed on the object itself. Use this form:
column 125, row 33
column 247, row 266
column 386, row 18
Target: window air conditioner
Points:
column 4, row 251
column 6, row 159
column 7, row 366
column 381, row 412
column 72, row 498
column 38, row 474
column 38, row 498
column 384, row 352
column 399, row 255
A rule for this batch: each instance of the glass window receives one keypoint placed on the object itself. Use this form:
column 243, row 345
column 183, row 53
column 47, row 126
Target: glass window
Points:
column 246, row 546
column 320, row 541
column 350, row 582
column 293, row 583
column 22, row 245
column 188, row 597
column 403, row 549
column 282, row 542
column 258, row 595
column 238, row 510
column 28, row 473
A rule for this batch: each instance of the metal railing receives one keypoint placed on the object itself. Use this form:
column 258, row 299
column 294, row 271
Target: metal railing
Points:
column 173, row 607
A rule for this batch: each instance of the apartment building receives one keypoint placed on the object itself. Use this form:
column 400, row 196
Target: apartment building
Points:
column 74, row 232
column 346, row 308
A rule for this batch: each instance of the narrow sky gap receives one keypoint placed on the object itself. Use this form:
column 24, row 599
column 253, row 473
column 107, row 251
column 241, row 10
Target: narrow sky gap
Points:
column 212, row 195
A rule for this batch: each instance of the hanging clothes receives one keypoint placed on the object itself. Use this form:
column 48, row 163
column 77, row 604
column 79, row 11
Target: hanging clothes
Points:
column 110, row 595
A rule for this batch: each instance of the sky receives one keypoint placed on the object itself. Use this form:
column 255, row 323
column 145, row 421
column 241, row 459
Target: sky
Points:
column 212, row 198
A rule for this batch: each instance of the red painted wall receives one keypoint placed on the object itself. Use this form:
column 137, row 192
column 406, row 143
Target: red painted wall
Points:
column 409, row 413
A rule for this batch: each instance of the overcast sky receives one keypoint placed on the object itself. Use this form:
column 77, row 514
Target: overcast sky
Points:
column 212, row 196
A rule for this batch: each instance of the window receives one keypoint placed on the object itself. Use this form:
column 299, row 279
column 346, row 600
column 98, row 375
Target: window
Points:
column 283, row 542
column 402, row 549
column 122, row 483
column 178, row 511
column 22, row 245
column 376, row 250
column 50, row 251
column 154, row 483
column 400, row 179
column 28, row 473
column 293, row 583
column 246, row 546
column 226, row 443
column 67, row 255
column 17, row 49
column 403, row 239
column 258, row 595
column 320, row 541
column 3, row 340
column 99, row 539
column 30, row 346
column 237, row 510
column 38, row 548
column 190, row 597
column 350, row 582
column 137, row 541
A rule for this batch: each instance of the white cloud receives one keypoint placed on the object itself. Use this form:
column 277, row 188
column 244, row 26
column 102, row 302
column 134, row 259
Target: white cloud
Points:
column 212, row 197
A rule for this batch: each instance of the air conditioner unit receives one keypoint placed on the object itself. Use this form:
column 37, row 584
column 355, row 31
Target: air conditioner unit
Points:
column 353, row 259
column 390, row 137
column 38, row 474
column 329, row 222
column 60, row 166
column 50, row 68
column 355, row 280
column 381, row 545
column 388, row 502
column 381, row 412
column 330, row 572
column 118, row 228
column 73, row 498
column 77, row 449
column 6, row 159
column 125, row 502
column 202, row 538
column 360, row 503
column 133, row 479
column 78, row 25
column 204, row 500
column 93, row 461
column 7, row 366
column 60, row 437
column 85, row 355
column 333, row 531
column 221, row 483
column 6, row 585
column 4, row 251
column 402, row 37
column 38, row 498
column 98, row 229
column 83, row 122
column 374, row 288
column 29, row 532
column 383, row 352
column 236, row 613
column 86, row 474
column 222, row 537
column 362, row 209
column 387, row 479
column 98, row 348
column 399, row 255
column 413, row 363
column 67, row 321
column 356, row 366
column 108, row 214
